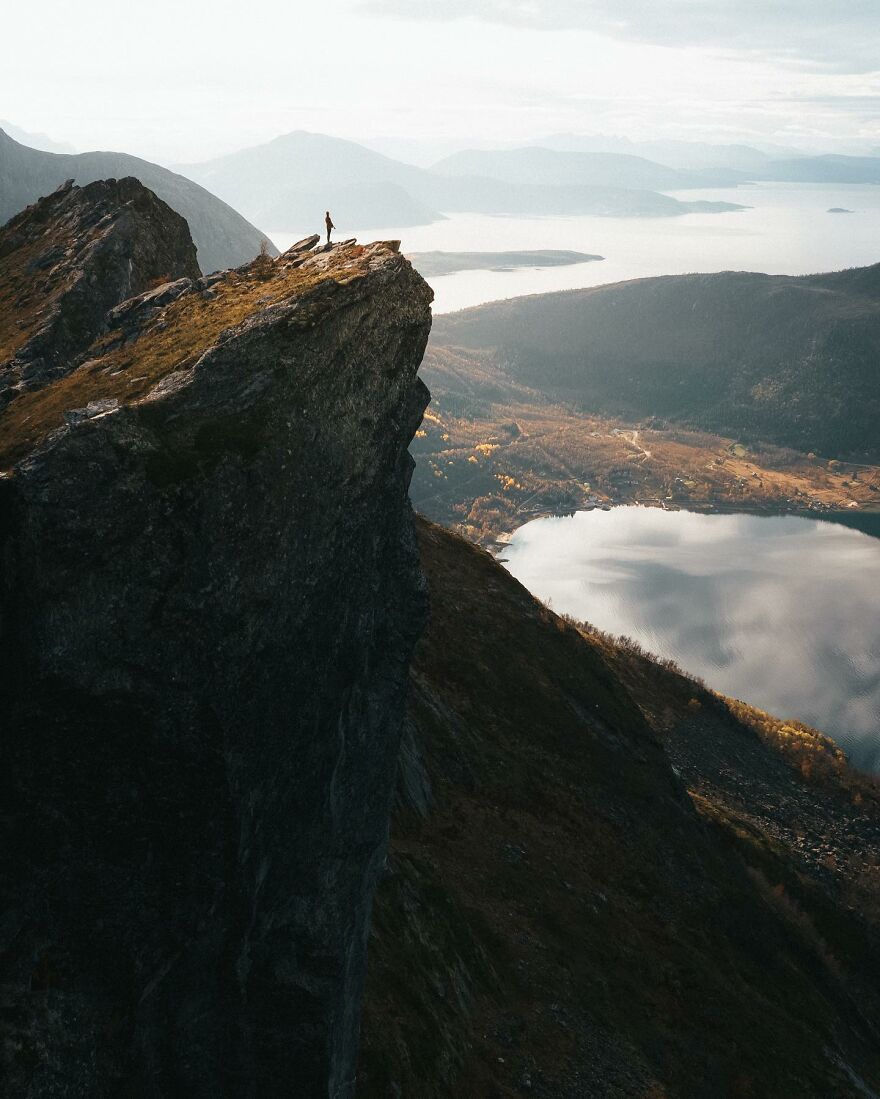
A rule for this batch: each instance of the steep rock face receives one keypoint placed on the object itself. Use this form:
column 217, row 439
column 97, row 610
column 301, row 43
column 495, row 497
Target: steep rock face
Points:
column 67, row 260
column 210, row 594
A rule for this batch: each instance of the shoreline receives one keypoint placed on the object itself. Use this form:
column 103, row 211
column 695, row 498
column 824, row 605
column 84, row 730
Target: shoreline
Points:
column 835, row 516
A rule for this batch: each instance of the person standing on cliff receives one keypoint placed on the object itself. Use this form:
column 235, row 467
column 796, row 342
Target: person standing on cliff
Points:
column 328, row 221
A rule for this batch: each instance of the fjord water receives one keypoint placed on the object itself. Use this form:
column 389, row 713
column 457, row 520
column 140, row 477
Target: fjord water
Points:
column 786, row 231
column 779, row 611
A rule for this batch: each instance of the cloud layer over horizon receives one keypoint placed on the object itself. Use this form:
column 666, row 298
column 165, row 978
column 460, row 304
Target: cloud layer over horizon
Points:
column 843, row 36
column 205, row 78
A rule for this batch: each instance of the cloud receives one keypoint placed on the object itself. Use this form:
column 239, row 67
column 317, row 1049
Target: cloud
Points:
column 843, row 36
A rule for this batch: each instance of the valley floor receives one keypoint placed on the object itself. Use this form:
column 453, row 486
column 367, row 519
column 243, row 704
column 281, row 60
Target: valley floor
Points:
column 493, row 454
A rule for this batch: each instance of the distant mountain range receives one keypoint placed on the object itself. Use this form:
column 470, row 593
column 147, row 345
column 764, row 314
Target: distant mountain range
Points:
column 559, row 167
column 222, row 236
column 695, row 155
column 555, row 168
column 781, row 359
column 823, row 169
column 686, row 155
column 35, row 140
column 289, row 182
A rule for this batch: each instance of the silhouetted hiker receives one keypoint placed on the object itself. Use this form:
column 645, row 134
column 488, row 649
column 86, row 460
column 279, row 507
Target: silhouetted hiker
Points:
column 328, row 221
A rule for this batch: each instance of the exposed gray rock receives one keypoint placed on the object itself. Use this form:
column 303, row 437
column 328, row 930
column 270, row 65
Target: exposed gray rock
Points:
column 91, row 410
column 152, row 299
column 304, row 245
column 71, row 258
column 210, row 594
column 222, row 236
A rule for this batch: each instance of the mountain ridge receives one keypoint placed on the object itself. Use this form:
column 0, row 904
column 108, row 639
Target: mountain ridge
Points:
column 261, row 179
column 222, row 236
column 775, row 358
column 536, row 164
column 198, row 745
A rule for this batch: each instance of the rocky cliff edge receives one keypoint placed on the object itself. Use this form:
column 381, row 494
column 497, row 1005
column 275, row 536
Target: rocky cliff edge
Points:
column 210, row 595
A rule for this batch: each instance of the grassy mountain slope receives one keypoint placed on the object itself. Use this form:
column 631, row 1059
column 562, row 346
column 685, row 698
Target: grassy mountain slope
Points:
column 793, row 361
column 492, row 453
column 222, row 236
column 560, row 919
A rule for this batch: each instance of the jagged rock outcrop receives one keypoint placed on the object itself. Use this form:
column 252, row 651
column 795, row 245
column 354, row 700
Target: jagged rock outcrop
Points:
column 223, row 238
column 210, row 594
column 67, row 260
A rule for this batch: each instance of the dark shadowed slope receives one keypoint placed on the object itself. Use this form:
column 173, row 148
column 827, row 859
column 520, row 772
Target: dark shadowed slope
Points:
column 560, row 919
column 788, row 360
column 222, row 236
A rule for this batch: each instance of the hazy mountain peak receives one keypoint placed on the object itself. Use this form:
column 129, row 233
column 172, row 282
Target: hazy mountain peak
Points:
column 34, row 140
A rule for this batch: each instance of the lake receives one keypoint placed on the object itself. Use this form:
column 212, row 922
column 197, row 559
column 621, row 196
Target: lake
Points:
column 782, row 612
column 787, row 231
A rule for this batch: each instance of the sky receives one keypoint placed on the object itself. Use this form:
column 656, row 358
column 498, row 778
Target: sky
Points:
column 183, row 80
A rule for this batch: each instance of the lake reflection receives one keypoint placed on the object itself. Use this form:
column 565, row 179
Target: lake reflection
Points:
column 780, row 611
